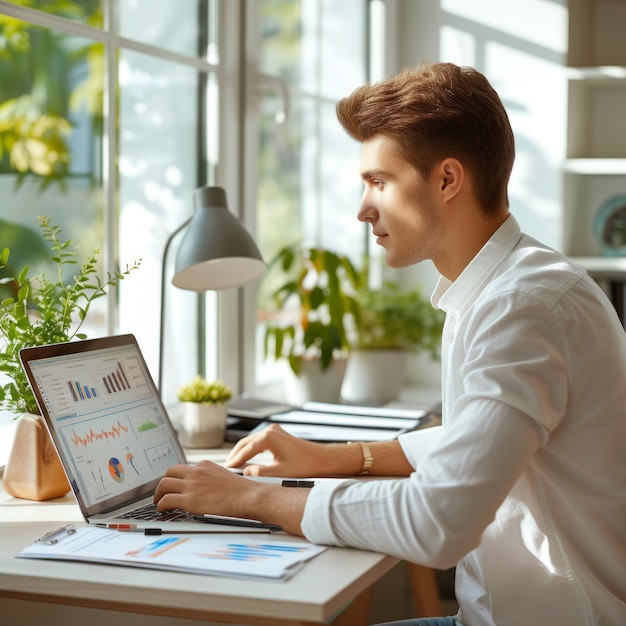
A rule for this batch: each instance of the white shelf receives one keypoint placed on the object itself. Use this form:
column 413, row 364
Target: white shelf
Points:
column 597, row 167
column 611, row 268
column 604, row 73
column 594, row 168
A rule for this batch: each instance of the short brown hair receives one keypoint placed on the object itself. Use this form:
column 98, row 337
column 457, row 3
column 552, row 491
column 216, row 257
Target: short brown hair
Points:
column 436, row 111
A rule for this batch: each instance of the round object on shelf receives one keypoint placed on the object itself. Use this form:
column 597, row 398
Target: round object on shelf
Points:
column 610, row 226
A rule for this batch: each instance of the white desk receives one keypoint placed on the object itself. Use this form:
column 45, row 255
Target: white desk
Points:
column 316, row 594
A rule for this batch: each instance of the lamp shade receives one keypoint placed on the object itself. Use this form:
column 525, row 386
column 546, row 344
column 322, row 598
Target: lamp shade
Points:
column 216, row 251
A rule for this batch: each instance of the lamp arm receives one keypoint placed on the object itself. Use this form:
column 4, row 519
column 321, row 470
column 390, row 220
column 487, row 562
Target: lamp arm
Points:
column 168, row 243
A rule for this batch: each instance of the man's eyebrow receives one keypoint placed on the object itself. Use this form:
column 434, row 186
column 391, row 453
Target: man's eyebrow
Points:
column 369, row 174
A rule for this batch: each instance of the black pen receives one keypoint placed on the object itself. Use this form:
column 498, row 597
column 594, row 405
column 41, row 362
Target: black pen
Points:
column 307, row 484
column 236, row 521
column 156, row 532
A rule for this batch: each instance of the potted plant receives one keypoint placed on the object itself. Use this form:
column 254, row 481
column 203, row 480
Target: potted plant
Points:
column 393, row 323
column 41, row 310
column 205, row 412
column 315, row 310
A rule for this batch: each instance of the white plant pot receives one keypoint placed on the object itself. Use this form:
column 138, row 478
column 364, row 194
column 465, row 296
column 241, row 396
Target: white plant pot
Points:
column 374, row 375
column 203, row 425
column 314, row 384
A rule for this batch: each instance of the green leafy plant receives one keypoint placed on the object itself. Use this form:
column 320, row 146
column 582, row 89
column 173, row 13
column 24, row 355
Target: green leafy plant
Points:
column 37, row 101
column 396, row 319
column 203, row 391
column 316, row 305
column 44, row 310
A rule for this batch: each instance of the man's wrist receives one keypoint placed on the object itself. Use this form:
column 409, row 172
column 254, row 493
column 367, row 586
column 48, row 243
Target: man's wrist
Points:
column 368, row 459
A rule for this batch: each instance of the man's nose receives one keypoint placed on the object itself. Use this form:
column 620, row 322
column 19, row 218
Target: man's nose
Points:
column 366, row 210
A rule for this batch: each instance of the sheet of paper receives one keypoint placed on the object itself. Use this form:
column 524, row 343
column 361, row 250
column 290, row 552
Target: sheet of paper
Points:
column 342, row 419
column 324, row 432
column 250, row 556
column 374, row 411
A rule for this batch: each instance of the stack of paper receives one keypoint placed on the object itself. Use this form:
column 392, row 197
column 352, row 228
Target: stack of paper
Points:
column 268, row 557
column 318, row 421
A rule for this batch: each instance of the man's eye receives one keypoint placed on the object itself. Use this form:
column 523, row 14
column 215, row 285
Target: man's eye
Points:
column 378, row 183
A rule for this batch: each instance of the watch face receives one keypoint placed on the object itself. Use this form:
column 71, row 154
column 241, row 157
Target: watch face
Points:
column 610, row 226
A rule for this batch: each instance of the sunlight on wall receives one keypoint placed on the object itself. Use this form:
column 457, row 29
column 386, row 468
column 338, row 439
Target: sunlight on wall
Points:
column 520, row 46
column 539, row 22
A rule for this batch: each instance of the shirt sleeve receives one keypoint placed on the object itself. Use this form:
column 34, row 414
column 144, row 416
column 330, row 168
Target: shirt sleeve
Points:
column 438, row 514
column 419, row 443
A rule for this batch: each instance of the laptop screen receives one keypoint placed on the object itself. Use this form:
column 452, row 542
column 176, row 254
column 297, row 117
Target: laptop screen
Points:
column 106, row 418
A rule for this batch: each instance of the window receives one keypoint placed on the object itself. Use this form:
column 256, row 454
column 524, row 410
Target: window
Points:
column 108, row 123
column 113, row 112
column 311, row 53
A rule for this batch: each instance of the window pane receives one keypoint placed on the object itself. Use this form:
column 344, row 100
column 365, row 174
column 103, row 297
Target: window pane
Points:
column 87, row 12
column 317, row 46
column 308, row 167
column 51, row 141
column 339, row 186
column 334, row 47
column 160, row 163
column 308, row 177
column 50, row 136
column 53, row 158
column 151, row 22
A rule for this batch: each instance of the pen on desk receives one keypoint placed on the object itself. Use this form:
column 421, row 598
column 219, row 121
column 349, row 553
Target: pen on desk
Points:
column 226, row 520
column 134, row 528
column 307, row 484
column 119, row 526
column 131, row 528
column 155, row 532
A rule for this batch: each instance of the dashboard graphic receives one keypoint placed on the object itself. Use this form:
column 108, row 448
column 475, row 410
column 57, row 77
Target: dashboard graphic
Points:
column 112, row 382
column 108, row 419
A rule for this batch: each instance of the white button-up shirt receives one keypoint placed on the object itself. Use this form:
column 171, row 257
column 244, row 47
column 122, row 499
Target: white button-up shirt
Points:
column 524, row 485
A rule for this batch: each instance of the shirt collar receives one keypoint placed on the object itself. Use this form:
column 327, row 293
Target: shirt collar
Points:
column 453, row 296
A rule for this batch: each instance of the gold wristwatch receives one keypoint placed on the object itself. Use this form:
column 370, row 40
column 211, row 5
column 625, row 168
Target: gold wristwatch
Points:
column 368, row 459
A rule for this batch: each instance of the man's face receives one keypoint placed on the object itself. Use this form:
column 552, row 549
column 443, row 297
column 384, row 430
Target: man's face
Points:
column 399, row 204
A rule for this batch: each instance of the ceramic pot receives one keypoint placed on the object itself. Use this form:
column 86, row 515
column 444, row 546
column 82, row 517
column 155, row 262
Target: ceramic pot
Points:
column 203, row 425
column 314, row 384
column 33, row 470
column 374, row 375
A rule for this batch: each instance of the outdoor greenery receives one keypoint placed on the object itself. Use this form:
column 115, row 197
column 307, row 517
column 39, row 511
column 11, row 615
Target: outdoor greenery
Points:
column 38, row 103
column 392, row 318
column 205, row 392
column 315, row 305
column 44, row 310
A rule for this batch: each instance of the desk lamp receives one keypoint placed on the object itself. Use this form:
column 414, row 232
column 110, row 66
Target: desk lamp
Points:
column 216, row 252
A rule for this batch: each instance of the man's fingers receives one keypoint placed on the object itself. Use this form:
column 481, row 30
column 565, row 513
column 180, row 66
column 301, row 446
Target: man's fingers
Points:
column 238, row 457
column 177, row 471
column 249, row 447
column 167, row 485
column 261, row 470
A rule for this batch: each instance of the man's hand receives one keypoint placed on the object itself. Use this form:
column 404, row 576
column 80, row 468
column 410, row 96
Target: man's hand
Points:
column 292, row 456
column 194, row 488
column 209, row 488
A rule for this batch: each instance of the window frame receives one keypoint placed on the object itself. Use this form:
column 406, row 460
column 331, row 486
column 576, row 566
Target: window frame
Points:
column 229, row 353
column 240, row 330
column 227, row 152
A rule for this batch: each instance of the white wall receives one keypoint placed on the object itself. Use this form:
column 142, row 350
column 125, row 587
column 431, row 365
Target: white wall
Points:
column 520, row 46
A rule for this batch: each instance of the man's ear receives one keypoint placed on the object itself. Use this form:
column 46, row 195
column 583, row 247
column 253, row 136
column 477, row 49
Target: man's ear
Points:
column 451, row 176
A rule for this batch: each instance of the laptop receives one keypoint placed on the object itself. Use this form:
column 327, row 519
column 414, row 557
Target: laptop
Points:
column 112, row 433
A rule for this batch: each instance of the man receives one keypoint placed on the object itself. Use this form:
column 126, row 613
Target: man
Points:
column 523, row 485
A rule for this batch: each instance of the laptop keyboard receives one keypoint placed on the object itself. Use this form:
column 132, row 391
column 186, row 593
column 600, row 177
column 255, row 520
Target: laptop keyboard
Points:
column 148, row 512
